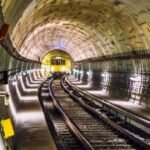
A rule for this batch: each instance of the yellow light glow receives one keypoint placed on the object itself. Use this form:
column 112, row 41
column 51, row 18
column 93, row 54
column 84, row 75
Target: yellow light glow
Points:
column 52, row 69
column 63, row 69
column 59, row 55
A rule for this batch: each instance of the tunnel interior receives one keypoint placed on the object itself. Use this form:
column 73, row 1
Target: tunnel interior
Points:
column 107, row 41
column 104, row 44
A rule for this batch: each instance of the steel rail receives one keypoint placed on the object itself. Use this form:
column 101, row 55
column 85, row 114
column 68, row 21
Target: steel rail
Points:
column 125, row 113
column 124, row 131
column 69, row 122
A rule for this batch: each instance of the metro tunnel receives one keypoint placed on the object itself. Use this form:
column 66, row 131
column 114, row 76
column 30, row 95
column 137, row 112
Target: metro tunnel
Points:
column 74, row 74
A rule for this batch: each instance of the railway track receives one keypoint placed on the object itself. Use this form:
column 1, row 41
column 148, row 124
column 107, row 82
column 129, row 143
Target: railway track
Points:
column 97, row 133
column 131, row 125
column 76, row 124
column 63, row 136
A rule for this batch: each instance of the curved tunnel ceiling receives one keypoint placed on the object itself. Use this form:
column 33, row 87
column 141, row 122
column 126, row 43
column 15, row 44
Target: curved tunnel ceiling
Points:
column 83, row 28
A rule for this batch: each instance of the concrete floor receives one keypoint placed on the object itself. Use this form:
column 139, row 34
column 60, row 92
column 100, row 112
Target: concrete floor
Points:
column 31, row 130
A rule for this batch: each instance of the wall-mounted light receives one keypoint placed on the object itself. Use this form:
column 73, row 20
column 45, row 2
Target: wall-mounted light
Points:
column 105, row 74
column 81, row 72
column 88, row 73
column 135, row 78
column 28, row 71
column 75, row 71
column 24, row 73
column 14, row 82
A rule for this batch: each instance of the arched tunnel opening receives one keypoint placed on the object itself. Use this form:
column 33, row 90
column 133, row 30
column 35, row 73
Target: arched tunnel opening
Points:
column 57, row 61
column 104, row 49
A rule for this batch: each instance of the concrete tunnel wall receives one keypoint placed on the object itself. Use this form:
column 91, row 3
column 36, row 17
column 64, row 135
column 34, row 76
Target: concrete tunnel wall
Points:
column 123, row 79
column 11, row 64
column 10, row 61
column 83, row 28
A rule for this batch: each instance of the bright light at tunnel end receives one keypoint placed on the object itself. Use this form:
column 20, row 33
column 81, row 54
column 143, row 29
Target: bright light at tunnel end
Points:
column 58, row 57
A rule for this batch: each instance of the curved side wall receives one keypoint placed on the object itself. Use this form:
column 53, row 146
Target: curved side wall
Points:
column 122, row 79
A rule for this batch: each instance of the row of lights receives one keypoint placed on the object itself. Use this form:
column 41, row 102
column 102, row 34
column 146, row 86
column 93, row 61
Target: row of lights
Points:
column 77, row 71
column 106, row 74
column 22, row 73
column 136, row 85
column 89, row 72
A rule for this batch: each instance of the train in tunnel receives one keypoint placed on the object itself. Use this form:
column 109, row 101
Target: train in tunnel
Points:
column 58, row 63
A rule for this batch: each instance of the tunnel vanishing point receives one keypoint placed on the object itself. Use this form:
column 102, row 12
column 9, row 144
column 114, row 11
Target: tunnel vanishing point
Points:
column 97, row 51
